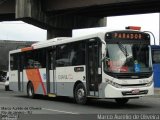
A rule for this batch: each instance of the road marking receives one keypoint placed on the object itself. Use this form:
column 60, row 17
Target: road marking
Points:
column 59, row 111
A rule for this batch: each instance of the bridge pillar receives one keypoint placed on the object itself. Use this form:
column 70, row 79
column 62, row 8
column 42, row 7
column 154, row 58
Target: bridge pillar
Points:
column 31, row 11
column 65, row 25
column 52, row 33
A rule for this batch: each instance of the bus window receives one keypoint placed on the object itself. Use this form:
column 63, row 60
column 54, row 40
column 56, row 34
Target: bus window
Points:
column 13, row 62
column 62, row 58
column 35, row 59
column 77, row 56
column 71, row 55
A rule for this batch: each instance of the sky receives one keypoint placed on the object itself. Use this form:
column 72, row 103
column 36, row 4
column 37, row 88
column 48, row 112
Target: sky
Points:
column 147, row 22
column 18, row 30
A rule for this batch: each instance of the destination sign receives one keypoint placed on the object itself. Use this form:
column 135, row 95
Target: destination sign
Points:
column 135, row 36
column 127, row 37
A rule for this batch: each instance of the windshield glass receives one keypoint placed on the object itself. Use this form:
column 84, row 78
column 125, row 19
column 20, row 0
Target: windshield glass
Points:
column 127, row 58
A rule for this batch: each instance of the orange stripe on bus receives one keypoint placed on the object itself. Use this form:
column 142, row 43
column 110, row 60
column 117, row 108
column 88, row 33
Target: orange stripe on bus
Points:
column 43, row 87
column 26, row 49
column 34, row 76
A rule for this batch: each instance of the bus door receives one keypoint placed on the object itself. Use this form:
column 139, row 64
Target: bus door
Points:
column 93, row 67
column 51, row 63
column 20, row 72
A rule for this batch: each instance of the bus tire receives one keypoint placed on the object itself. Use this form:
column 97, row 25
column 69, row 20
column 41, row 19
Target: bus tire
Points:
column 30, row 90
column 80, row 94
column 121, row 101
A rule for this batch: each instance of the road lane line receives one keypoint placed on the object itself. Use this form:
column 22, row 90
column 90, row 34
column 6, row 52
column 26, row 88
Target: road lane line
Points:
column 59, row 111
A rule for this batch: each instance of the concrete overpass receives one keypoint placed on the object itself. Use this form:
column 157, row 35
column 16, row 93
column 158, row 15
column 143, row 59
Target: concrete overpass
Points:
column 8, row 45
column 59, row 17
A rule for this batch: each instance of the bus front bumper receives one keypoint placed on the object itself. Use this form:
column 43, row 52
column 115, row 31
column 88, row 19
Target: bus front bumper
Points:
column 109, row 91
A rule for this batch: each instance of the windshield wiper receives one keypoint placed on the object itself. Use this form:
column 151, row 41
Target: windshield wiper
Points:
column 123, row 49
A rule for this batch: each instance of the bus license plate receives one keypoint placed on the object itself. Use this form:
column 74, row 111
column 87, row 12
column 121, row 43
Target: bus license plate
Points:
column 136, row 91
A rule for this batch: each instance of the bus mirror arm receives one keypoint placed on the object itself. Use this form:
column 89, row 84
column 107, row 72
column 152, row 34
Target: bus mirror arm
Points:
column 103, row 42
column 150, row 57
column 152, row 35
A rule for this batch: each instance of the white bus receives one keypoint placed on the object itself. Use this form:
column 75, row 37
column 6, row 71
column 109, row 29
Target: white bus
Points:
column 112, row 64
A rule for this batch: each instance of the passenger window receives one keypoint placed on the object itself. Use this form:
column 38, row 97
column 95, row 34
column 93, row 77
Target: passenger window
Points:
column 70, row 54
column 35, row 59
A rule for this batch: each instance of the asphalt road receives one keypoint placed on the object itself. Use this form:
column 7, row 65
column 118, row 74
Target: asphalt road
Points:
column 17, row 106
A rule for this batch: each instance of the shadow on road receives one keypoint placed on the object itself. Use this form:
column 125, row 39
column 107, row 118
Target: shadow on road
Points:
column 98, row 103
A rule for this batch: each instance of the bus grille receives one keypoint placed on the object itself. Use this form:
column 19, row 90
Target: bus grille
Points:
column 133, row 76
column 134, row 85
column 142, row 92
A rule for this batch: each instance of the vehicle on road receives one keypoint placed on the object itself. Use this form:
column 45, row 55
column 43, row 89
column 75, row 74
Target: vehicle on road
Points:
column 4, row 51
column 3, row 76
column 113, row 64
column 6, row 84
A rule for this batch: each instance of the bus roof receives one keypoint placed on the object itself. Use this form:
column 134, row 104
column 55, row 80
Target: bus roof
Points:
column 58, row 41
column 63, row 40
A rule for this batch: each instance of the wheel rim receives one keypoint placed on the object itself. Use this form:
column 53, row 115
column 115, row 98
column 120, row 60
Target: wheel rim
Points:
column 80, row 94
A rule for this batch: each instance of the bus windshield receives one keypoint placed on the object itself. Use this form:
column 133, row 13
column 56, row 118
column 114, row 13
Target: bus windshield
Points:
column 127, row 58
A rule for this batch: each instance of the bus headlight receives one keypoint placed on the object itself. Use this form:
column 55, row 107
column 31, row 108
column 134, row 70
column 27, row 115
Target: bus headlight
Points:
column 149, row 84
column 113, row 83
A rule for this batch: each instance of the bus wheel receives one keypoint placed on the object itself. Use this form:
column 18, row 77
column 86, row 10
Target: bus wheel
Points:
column 30, row 90
column 121, row 101
column 80, row 94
